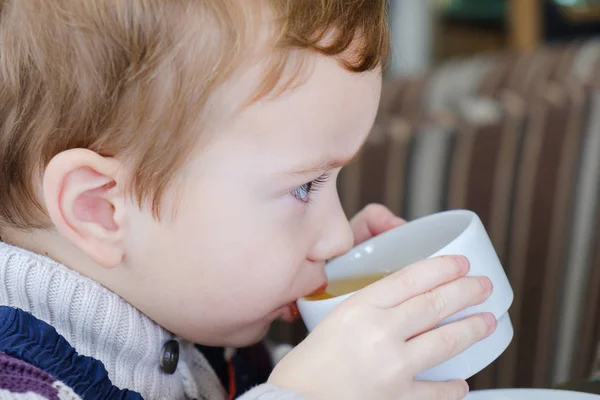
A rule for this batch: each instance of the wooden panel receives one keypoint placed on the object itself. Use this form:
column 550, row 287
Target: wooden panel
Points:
column 525, row 21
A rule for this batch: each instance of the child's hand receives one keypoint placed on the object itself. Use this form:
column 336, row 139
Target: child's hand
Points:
column 375, row 343
column 373, row 220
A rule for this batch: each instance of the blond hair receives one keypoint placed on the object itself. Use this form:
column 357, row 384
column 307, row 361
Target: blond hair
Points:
column 131, row 78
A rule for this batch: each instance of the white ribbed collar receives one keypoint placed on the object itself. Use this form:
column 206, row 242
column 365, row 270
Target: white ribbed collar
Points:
column 100, row 324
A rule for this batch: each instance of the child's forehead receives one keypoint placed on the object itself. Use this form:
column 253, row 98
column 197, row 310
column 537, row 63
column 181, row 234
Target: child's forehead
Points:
column 322, row 120
column 305, row 83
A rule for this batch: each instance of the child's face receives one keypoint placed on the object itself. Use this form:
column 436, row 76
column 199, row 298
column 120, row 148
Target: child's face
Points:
column 249, row 237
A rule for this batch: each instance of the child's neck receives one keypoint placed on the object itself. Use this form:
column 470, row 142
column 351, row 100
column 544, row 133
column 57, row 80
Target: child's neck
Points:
column 52, row 245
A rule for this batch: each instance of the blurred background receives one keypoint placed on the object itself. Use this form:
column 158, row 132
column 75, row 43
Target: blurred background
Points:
column 494, row 106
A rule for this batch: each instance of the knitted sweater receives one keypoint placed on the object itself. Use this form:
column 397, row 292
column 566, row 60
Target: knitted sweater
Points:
column 65, row 337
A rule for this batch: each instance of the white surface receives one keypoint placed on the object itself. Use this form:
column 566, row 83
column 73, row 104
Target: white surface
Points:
column 458, row 232
column 529, row 394
column 412, row 24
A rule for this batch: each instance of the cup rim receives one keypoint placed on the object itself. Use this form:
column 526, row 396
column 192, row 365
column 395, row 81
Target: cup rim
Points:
column 464, row 212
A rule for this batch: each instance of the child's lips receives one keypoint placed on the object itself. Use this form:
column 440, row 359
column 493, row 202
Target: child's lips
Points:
column 320, row 290
column 290, row 313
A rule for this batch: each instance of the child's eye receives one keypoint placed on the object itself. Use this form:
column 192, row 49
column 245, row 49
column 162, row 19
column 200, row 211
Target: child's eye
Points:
column 303, row 192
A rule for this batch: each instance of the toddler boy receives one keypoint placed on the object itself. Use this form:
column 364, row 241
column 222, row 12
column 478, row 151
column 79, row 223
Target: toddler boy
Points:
column 168, row 179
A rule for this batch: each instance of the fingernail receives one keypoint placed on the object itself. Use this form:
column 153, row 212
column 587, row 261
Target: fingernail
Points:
column 490, row 321
column 464, row 263
column 486, row 283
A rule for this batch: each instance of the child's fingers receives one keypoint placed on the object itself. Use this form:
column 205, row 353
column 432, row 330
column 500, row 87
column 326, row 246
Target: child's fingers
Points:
column 422, row 313
column 439, row 345
column 373, row 220
column 453, row 390
column 413, row 280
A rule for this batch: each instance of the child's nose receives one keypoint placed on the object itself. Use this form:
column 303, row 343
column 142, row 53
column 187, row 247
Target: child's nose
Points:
column 336, row 237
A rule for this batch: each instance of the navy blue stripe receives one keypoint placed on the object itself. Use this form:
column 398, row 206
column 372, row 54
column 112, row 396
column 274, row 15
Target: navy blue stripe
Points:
column 26, row 338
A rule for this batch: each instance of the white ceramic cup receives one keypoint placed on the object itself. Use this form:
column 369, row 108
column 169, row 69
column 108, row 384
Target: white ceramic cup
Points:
column 458, row 232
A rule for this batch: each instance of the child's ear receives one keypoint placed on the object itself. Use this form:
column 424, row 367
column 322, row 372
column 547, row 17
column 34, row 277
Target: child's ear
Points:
column 86, row 203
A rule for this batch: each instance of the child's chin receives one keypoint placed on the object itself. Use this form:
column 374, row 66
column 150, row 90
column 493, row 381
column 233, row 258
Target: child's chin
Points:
column 246, row 335
column 250, row 336
column 241, row 336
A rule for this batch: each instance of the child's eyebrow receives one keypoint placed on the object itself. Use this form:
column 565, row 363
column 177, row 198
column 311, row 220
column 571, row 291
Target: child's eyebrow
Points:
column 329, row 164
